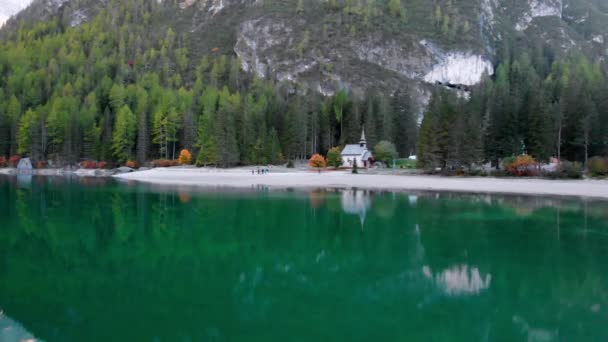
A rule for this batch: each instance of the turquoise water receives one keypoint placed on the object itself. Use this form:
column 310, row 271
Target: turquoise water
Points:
column 97, row 260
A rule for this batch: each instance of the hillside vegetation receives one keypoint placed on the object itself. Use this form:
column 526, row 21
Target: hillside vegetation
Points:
column 140, row 80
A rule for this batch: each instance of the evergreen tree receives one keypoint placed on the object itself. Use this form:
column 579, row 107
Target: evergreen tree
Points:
column 28, row 132
column 405, row 125
column 206, row 140
column 340, row 101
column 123, row 137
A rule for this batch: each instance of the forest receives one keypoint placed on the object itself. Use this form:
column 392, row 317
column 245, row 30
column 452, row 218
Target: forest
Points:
column 108, row 90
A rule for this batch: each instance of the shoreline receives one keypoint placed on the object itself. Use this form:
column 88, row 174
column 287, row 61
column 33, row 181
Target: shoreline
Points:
column 242, row 178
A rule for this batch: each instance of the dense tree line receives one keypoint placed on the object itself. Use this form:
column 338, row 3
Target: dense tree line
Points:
column 107, row 90
column 118, row 88
column 542, row 108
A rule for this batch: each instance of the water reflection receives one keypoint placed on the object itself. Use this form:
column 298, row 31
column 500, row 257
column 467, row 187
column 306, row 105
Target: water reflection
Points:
column 224, row 264
column 12, row 331
column 356, row 202
column 534, row 334
column 316, row 198
column 459, row 280
column 24, row 180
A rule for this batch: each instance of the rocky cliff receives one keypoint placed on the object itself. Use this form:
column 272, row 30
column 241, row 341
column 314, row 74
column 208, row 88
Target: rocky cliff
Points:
column 325, row 45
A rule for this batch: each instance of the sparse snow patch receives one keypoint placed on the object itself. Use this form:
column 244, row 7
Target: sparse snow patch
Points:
column 540, row 8
column 216, row 6
column 459, row 68
column 57, row 3
column 598, row 39
column 487, row 10
column 185, row 4
column 78, row 18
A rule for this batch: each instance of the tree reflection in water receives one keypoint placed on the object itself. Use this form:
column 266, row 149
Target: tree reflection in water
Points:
column 82, row 257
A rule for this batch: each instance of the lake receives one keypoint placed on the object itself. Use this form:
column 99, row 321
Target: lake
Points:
column 98, row 260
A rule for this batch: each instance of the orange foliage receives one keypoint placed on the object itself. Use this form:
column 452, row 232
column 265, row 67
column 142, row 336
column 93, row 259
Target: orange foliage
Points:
column 132, row 164
column 185, row 157
column 88, row 164
column 40, row 164
column 317, row 161
column 184, row 197
column 3, row 161
column 316, row 198
column 164, row 163
column 522, row 166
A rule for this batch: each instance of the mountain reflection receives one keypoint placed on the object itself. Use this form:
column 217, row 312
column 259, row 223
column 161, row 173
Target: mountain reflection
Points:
column 80, row 256
column 459, row 280
column 12, row 331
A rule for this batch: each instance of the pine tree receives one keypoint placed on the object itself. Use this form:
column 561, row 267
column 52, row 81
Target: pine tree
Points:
column 206, row 138
column 340, row 101
column 225, row 132
column 123, row 136
column 370, row 121
column 13, row 113
column 394, row 7
column 28, row 132
column 141, row 109
column 405, row 125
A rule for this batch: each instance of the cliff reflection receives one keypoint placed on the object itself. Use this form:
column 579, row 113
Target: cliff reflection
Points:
column 158, row 260
column 12, row 331
column 459, row 280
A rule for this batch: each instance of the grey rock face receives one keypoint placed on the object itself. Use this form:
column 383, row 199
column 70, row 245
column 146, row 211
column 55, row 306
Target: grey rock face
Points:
column 255, row 38
column 405, row 58
column 269, row 38
column 267, row 47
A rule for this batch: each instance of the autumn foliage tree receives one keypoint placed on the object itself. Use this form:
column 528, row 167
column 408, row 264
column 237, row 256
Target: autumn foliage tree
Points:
column 317, row 161
column 521, row 166
column 132, row 164
column 185, row 157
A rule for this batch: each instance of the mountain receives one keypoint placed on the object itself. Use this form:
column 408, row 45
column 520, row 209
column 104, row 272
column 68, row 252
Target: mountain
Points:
column 296, row 77
column 10, row 7
column 360, row 44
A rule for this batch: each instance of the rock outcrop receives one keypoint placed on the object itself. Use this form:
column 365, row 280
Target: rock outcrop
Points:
column 317, row 48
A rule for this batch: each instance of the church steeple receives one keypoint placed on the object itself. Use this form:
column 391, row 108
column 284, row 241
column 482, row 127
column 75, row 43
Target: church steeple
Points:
column 363, row 142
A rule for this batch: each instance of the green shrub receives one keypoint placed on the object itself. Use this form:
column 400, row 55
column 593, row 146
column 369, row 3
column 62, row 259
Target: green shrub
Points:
column 598, row 167
column 508, row 161
column 334, row 157
column 385, row 151
column 405, row 164
column 568, row 170
column 290, row 164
